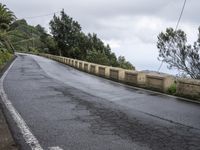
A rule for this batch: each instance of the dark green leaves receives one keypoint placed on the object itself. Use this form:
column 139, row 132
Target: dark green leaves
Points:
column 174, row 50
column 72, row 42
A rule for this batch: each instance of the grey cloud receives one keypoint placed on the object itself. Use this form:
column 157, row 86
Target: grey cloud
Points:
column 166, row 9
column 136, row 21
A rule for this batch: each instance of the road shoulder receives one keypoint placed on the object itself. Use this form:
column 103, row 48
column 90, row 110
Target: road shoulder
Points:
column 6, row 140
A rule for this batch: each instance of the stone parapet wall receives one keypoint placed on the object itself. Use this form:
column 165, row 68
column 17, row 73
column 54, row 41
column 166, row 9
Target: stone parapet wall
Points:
column 189, row 88
column 153, row 81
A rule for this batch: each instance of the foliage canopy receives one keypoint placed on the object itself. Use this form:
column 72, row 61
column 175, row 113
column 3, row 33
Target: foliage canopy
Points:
column 174, row 50
column 72, row 42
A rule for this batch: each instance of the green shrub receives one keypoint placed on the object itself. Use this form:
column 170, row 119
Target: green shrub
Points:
column 172, row 89
column 4, row 57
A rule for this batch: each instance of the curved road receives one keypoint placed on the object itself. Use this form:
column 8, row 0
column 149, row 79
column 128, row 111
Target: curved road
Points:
column 68, row 109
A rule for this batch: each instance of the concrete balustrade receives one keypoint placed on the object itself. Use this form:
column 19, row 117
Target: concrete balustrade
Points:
column 72, row 62
column 80, row 65
column 102, row 71
column 69, row 62
column 159, row 82
column 96, row 69
column 131, row 77
column 107, row 72
column 154, row 81
column 93, row 68
column 141, row 79
column 66, row 60
column 114, row 74
column 121, row 73
column 117, row 74
column 189, row 88
column 62, row 59
column 86, row 67
column 136, row 78
column 57, row 58
column 76, row 63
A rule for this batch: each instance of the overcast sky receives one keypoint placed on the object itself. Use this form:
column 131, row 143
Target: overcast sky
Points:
column 129, row 26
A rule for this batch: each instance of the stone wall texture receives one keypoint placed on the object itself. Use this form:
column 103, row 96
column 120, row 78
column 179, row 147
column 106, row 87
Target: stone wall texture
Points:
column 189, row 88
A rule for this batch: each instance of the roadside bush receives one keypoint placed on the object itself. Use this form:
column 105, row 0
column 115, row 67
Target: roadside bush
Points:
column 172, row 89
column 4, row 57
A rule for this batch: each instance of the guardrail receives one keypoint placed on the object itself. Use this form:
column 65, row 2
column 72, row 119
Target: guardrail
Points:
column 146, row 80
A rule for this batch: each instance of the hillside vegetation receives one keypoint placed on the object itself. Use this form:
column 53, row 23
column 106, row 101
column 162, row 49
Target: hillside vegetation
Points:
column 6, row 49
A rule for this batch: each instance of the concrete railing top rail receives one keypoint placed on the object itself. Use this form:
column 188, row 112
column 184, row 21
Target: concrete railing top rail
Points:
column 159, row 75
column 189, row 81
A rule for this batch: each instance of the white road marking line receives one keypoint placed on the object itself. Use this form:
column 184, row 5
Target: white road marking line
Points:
column 55, row 148
column 28, row 136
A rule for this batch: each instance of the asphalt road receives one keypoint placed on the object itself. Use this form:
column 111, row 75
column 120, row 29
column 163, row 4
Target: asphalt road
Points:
column 73, row 110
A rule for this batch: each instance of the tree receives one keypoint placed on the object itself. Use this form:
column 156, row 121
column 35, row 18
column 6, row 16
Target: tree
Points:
column 83, row 46
column 97, row 47
column 6, row 17
column 174, row 50
column 18, row 23
column 97, row 57
column 47, row 43
column 65, row 31
column 125, row 64
column 72, row 42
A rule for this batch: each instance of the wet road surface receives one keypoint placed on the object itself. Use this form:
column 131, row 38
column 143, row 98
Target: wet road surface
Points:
column 74, row 110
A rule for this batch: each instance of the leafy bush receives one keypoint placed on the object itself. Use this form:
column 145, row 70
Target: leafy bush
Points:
column 4, row 57
column 172, row 89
